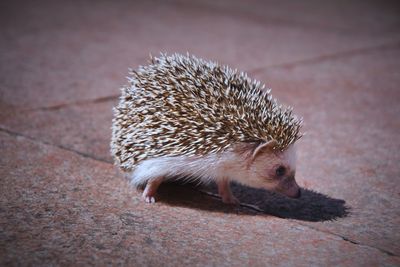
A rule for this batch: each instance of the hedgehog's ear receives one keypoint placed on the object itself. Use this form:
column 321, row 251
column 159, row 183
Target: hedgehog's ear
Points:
column 270, row 145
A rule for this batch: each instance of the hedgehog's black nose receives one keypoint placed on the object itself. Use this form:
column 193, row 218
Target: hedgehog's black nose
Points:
column 298, row 193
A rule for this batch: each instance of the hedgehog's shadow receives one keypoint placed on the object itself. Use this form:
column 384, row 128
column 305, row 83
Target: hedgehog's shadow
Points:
column 312, row 206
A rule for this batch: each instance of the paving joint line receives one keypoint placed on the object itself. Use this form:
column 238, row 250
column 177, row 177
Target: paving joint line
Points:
column 322, row 58
column 245, row 205
column 76, row 103
column 85, row 155
column 346, row 239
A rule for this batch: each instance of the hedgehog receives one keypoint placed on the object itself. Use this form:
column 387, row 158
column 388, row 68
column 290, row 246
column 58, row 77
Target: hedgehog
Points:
column 185, row 118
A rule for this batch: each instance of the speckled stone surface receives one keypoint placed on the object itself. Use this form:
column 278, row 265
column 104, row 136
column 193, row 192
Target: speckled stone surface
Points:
column 60, row 208
column 63, row 203
column 84, row 48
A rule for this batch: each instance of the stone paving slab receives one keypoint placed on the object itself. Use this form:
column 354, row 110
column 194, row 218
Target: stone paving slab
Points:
column 61, row 64
column 61, row 52
column 359, row 173
column 59, row 208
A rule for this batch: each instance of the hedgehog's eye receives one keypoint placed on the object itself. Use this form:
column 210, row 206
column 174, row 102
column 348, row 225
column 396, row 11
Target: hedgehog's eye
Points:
column 280, row 171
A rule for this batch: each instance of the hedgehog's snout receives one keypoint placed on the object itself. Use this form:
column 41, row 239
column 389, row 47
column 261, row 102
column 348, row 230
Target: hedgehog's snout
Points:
column 297, row 194
column 293, row 191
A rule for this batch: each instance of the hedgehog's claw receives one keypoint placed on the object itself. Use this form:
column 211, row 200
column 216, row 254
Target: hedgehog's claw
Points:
column 149, row 199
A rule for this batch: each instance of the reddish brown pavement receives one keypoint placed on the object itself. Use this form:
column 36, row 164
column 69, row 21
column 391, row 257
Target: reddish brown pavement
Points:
column 63, row 203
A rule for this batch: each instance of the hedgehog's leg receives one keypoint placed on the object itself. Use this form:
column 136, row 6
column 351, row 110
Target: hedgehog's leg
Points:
column 224, row 190
column 151, row 189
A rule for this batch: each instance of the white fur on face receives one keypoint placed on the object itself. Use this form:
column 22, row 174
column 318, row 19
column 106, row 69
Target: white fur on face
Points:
column 261, row 172
column 290, row 157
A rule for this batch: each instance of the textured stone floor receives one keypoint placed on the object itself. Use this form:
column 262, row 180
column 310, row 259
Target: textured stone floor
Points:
column 63, row 203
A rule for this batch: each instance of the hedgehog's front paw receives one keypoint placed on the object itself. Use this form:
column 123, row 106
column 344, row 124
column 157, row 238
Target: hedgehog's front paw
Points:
column 230, row 199
column 225, row 192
